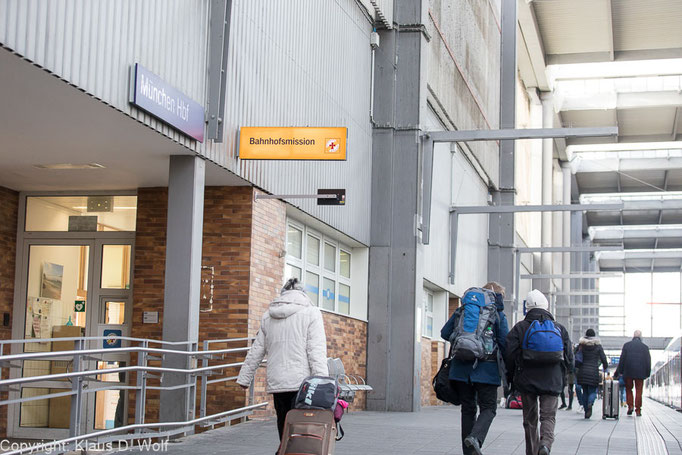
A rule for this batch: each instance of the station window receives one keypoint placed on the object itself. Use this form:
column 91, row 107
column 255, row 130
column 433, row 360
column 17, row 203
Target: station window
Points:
column 428, row 314
column 322, row 264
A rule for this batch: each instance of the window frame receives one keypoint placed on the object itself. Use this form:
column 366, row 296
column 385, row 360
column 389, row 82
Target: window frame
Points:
column 320, row 270
column 426, row 313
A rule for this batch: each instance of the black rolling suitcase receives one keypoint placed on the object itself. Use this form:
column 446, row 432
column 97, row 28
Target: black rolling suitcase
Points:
column 611, row 402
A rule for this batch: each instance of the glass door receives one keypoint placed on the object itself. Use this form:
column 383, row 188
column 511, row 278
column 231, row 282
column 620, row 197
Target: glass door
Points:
column 107, row 408
column 57, row 295
column 74, row 288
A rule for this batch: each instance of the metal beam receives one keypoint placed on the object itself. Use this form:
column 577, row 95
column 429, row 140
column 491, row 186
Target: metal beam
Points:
column 510, row 209
column 468, row 210
column 669, row 253
column 586, row 293
column 628, row 232
column 615, row 342
column 516, row 134
column 568, row 249
column 567, row 276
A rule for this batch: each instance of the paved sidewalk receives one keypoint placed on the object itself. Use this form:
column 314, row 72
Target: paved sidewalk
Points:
column 435, row 431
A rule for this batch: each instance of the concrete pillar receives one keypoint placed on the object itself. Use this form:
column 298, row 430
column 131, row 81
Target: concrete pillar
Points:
column 396, row 277
column 501, row 227
column 547, row 181
column 566, row 226
column 183, row 277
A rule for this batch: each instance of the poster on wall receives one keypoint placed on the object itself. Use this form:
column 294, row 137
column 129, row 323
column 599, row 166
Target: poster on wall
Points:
column 38, row 318
column 51, row 283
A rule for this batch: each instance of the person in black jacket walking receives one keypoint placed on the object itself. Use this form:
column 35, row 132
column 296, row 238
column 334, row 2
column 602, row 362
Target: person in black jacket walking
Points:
column 590, row 353
column 635, row 366
column 538, row 377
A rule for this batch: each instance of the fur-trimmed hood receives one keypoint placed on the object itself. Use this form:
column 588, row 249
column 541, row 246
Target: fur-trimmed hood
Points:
column 590, row 341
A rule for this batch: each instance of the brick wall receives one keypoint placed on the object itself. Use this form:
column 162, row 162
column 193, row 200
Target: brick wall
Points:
column 268, row 236
column 347, row 339
column 243, row 241
column 432, row 354
column 9, row 204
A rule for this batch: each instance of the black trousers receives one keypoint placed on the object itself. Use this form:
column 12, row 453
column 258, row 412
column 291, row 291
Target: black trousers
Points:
column 284, row 402
column 473, row 396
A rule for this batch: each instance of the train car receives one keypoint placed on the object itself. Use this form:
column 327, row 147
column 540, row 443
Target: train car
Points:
column 665, row 383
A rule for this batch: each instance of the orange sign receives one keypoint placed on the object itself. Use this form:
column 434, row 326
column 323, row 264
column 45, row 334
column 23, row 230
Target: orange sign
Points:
column 273, row 143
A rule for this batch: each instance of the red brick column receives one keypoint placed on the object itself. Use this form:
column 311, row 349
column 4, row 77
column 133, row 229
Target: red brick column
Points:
column 9, row 206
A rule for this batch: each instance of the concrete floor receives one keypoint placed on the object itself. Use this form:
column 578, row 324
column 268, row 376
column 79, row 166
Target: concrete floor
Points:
column 435, row 431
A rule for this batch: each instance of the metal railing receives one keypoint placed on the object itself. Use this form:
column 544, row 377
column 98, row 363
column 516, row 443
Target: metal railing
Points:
column 85, row 380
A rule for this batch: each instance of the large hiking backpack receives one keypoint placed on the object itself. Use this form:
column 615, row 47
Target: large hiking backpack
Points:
column 543, row 343
column 473, row 338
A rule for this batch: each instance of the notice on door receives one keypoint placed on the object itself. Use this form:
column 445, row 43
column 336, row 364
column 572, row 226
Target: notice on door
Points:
column 274, row 143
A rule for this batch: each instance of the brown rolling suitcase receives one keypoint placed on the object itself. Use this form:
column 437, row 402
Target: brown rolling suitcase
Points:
column 308, row 432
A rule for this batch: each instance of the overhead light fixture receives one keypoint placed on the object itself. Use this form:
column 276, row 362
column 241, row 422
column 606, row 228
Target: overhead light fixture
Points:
column 69, row 166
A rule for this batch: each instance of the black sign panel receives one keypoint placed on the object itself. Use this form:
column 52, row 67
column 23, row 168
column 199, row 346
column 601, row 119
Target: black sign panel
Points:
column 340, row 198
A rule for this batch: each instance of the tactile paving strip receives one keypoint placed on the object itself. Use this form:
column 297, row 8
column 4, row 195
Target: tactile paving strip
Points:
column 649, row 441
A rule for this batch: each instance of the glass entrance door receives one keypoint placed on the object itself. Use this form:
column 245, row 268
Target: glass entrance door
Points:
column 73, row 288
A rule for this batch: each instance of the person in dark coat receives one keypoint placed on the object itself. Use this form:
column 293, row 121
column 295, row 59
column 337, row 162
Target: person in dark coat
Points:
column 537, row 382
column 635, row 366
column 588, row 357
column 476, row 383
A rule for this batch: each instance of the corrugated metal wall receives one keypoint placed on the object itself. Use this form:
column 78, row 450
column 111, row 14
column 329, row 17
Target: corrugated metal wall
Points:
column 302, row 63
column 92, row 44
column 292, row 63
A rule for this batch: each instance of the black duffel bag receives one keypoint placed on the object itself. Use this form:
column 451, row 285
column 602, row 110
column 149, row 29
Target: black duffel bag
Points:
column 441, row 384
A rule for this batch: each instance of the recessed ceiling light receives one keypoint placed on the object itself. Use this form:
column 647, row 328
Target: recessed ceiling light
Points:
column 69, row 166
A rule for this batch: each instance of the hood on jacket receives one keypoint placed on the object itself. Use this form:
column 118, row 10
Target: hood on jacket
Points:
column 589, row 341
column 288, row 303
column 537, row 314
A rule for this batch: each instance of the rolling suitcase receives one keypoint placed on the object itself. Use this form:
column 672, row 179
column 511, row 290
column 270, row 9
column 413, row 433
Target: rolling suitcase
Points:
column 611, row 401
column 308, row 432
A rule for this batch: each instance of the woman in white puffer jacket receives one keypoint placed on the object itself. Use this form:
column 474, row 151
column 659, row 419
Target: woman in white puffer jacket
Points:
column 292, row 336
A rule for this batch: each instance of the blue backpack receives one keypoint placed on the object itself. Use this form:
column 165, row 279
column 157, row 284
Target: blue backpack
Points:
column 543, row 343
column 472, row 338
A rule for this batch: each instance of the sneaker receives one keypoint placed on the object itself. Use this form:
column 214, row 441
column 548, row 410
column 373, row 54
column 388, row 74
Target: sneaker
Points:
column 473, row 444
column 588, row 412
column 629, row 412
column 543, row 451
column 570, row 408
column 562, row 406
column 639, row 413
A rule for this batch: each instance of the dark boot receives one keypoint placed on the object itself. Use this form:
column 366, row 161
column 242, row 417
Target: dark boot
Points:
column 472, row 443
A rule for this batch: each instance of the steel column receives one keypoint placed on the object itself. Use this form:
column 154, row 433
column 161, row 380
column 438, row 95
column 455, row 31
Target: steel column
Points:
column 77, row 389
column 396, row 280
column 219, row 34
column 183, row 277
column 506, row 193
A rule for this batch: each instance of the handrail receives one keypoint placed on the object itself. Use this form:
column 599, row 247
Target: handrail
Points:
column 52, row 354
column 79, row 377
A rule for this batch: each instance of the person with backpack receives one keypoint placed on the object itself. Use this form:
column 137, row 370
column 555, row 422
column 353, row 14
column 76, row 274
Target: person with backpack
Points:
column 292, row 336
column 539, row 354
column 477, row 332
column 590, row 354
column 635, row 367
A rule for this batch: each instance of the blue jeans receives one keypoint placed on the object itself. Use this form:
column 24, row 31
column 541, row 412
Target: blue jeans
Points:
column 587, row 395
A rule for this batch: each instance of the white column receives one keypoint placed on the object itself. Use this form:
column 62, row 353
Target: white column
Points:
column 566, row 287
column 547, row 181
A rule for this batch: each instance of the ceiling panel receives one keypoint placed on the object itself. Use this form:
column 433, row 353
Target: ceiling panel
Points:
column 647, row 24
column 648, row 180
column 586, row 118
column 646, row 121
column 597, row 182
column 576, row 26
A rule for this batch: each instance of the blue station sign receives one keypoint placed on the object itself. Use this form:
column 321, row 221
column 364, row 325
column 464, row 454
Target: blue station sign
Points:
column 155, row 96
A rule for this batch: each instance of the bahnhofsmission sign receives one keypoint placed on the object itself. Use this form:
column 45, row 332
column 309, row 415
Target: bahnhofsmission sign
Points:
column 155, row 96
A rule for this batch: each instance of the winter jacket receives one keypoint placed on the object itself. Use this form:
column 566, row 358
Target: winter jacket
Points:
column 545, row 379
column 592, row 353
column 635, row 360
column 486, row 372
column 292, row 336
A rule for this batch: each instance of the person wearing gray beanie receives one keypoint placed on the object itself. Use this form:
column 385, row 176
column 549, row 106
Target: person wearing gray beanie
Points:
column 539, row 354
